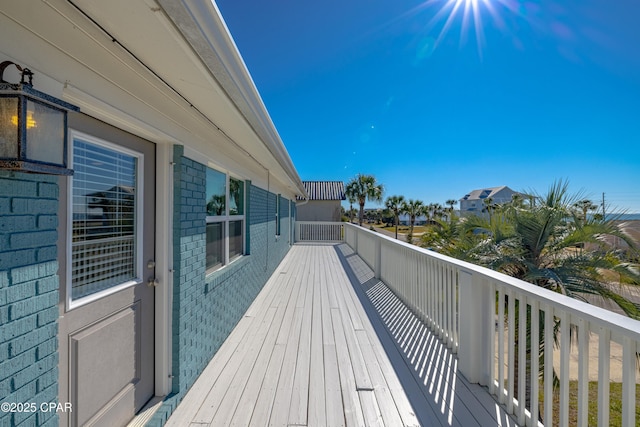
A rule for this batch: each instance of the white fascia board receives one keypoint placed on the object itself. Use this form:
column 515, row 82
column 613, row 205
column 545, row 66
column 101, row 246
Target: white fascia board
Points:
column 203, row 26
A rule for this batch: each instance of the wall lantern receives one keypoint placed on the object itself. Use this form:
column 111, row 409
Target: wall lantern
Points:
column 33, row 127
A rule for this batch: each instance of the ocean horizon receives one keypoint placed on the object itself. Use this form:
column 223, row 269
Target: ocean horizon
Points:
column 624, row 216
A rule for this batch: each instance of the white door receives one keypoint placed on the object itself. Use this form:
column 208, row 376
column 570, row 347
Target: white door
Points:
column 107, row 299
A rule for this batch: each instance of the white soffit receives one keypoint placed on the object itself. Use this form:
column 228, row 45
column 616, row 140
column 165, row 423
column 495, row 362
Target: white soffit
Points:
column 134, row 60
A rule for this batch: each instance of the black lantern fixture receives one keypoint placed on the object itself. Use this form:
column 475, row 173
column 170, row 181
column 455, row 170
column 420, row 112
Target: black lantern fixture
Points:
column 33, row 127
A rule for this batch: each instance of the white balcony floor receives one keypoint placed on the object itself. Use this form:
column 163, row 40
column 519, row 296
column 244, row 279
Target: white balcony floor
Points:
column 326, row 344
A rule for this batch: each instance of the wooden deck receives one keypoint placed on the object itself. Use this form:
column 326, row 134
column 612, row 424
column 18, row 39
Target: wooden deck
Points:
column 326, row 344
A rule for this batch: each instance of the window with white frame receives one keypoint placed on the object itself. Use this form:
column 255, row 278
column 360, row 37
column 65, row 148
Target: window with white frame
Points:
column 225, row 219
column 106, row 211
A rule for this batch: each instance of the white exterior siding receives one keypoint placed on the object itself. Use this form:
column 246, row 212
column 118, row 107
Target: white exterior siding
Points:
column 474, row 202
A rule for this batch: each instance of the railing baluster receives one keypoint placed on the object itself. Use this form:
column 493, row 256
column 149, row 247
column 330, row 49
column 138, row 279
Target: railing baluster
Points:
column 491, row 327
column 432, row 296
column 628, row 382
column 511, row 363
column 522, row 358
column 535, row 363
column 454, row 307
column 440, row 302
column 583, row 372
column 548, row 365
column 451, row 307
column 501, row 348
column 604, row 350
column 565, row 352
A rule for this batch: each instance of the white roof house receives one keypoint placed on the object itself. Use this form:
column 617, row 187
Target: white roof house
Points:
column 474, row 203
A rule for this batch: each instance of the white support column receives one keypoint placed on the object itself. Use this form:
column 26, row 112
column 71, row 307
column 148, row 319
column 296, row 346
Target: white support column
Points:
column 474, row 348
column 163, row 268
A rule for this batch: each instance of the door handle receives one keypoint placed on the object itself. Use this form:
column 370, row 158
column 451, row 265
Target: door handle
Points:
column 152, row 282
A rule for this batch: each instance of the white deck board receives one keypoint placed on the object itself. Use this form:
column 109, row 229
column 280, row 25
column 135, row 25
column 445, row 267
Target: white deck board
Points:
column 325, row 344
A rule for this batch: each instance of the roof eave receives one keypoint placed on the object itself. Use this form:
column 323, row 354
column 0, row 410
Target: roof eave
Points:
column 204, row 28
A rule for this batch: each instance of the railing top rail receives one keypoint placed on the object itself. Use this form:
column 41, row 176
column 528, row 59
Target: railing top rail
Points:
column 321, row 222
column 613, row 321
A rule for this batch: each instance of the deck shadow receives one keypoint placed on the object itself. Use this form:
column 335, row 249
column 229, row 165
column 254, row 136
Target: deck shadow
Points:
column 426, row 368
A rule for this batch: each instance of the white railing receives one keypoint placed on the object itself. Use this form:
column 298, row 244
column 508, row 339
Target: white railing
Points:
column 319, row 231
column 479, row 312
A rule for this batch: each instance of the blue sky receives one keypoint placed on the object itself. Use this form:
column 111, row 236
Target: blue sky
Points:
column 436, row 102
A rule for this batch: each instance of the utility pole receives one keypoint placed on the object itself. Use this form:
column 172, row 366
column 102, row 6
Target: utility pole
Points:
column 604, row 215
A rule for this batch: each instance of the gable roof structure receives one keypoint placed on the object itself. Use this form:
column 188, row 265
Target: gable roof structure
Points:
column 325, row 190
column 484, row 193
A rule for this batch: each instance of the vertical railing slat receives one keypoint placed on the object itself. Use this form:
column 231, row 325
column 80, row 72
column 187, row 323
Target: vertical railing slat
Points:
column 522, row 358
column 492, row 339
column 565, row 352
column 535, row 363
column 604, row 349
column 501, row 347
column 511, row 362
column 628, row 382
column 583, row 372
column 548, row 365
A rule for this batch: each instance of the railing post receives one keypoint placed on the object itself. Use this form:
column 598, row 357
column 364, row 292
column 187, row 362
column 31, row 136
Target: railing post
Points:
column 356, row 232
column 474, row 348
column 378, row 259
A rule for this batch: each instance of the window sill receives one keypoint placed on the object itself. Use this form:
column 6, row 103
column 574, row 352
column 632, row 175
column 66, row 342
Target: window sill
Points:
column 235, row 262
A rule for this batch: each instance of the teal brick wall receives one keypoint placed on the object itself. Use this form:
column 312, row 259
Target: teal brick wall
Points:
column 206, row 308
column 28, row 296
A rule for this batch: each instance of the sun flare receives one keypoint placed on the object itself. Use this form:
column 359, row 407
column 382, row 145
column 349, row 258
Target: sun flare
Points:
column 468, row 14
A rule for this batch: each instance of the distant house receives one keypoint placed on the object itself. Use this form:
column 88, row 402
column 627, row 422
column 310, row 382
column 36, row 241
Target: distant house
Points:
column 475, row 202
column 404, row 219
column 324, row 201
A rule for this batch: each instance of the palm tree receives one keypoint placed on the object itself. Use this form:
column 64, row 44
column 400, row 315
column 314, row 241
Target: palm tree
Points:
column 451, row 203
column 585, row 206
column 413, row 208
column 536, row 243
column 488, row 205
column 394, row 204
column 352, row 199
column 438, row 210
column 517, row 200
column 363, row 188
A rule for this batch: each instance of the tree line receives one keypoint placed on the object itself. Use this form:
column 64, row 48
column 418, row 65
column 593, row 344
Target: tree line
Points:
column 553, row 240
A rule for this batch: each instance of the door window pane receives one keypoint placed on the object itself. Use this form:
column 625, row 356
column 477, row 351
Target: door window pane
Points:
column 104, row 218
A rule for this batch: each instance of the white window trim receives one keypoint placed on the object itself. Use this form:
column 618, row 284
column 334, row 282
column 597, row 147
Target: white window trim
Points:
column 226, row 218
column 70, row 303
